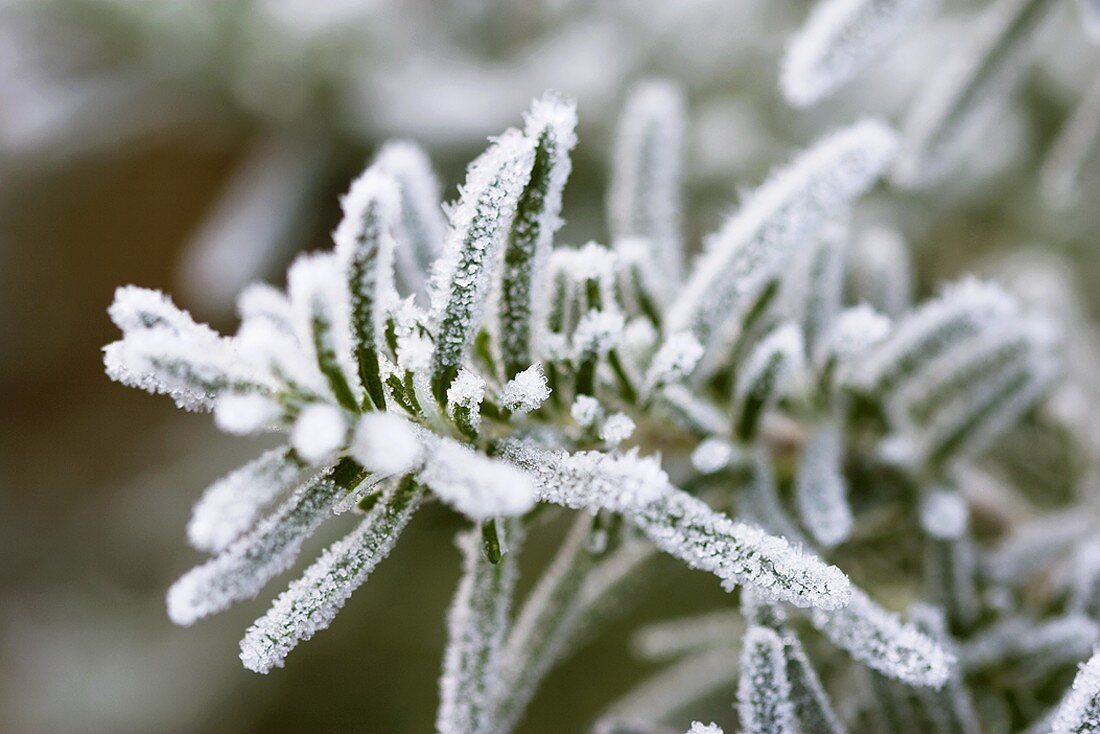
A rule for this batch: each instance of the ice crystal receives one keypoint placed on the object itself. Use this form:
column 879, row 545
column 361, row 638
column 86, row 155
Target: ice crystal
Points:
column 526, row 391
column 617, row 428
column 1079, row 713
column 697, row 727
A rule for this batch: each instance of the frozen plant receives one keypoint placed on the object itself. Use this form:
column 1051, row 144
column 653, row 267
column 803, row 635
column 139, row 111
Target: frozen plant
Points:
column 735, row 410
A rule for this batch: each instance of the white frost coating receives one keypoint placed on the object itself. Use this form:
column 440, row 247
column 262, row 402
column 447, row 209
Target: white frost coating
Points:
column 944, row 514
column 597, row 333
column 962, row 310
column 321, row 303
column 421, row 226
column 251, row 561
column 878, row 639
column 778, row 218
column 372, row 187
column 385, row 444
column 475, row 485
column 1079, row 712
column 311, row 602
column 591, row 479
column 617, row 428
column 479, row 222
column 960, row 98
column 644, row 199
column 674, row 361
column 680, row 524
column 821, row 491
column 839, row 40
column 244, row 413
column 763, row 691
column 526, row 391
column 712, row 455
column 589, row 262
column 698, row 727
column 550, row 127
column 260, row 301
column 274, row 350
column 231, row 505
column 190, row 369
column 135, row 308
column 319, row 431
column 467, row 390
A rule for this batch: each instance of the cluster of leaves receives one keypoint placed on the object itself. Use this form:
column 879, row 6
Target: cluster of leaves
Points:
column 478, row 362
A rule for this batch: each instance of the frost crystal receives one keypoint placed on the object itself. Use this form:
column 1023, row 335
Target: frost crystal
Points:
column 319, row 431
column 774, row 222
column 385, row 444
column 526, row 391
column 231, row 505
column 586, row 411
column 840, row 39
column 310, row 603
column 698, row 727
column 880, row 640
column 617, row 428
column 597, row 333
column 763, row 692
column 270, row 548
column 674, row 361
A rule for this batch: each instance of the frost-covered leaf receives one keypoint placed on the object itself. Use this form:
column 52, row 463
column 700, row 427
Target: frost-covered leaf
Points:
column 682, row 525
column 267, row 550
column 763, row 691
column 322, row 320
column 231, row 505
column 674, row 361
column 813, row 289
column 1036, row 646
column 820, row 489
column 479, row 225
column 964, row 91
column 644, row 199
column 365, row 249
column 839, row 40
column 777, row 219
column 476, row 626
column 764, row 377
column 878, row 639
column 546, row 625
column 311, row 602
column 1079, row 712
column 420, row 228
column 698, row 727
column 550, row 127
